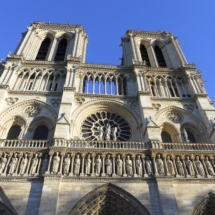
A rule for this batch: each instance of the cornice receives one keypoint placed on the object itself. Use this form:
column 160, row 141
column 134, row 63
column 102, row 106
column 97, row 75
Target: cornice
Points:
column 43, row 93
column 44, row 62
column 172, row 98
column 103, row 66
column 20, row 179
column 193, row 180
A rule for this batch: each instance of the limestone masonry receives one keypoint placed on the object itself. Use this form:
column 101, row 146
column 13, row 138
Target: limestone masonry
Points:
column 93, row 139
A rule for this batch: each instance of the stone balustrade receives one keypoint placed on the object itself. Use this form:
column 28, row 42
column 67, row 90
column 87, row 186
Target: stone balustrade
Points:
column 25, row 143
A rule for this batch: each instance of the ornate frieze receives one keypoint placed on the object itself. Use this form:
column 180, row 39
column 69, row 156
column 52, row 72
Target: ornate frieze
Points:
column 11, row 100
column 33, row 110
column 174, row 116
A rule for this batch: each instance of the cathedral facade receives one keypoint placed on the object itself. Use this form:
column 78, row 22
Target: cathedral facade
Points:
column 94, row 139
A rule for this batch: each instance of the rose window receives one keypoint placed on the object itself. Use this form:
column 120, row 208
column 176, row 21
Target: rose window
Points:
column 105, row 126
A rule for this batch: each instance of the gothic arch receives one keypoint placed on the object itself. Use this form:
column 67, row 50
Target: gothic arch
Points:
column 82, row 112
column 4, row 210
column 205, row 206
column 109, row 199
column 172, row 130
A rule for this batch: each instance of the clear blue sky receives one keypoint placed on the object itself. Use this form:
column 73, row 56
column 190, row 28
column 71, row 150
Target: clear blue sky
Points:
column 105, row 21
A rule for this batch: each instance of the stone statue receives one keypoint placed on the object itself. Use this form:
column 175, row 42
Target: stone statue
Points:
column 160, row 165
column 199, row 166
column 107, row 132
column 170, row 166
column 209, row 166
column 189, row 165
column 128, row 164
column 13, row 164
column 139, row 166
column 77, row 165
column 21, row 132
column 98, row 165
column 179, row 166
column 45, row 164
column 100, row 132
column 87, row 163
column 119, row 166
column 3, row 162
column 34, row 163
column 185, row 135
column 23, row 165
column 114, row 131
column 55, row 164
column 66, row 165
column 108, row 164
column 149, row 166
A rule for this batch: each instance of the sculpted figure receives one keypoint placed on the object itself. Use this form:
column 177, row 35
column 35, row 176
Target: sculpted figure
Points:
column 77, row 165
column 160, row 165
column 108, row 164
column 189, row 165
column 34, row 163
column 139, row 166
column 129, row 166
column 107, row 132
column 23, row 165
column 55, row 163
column 209, row 167
column 119, row 166
column 100, row 131
column 170, row 166
column 44, row 164
column 21, row 132
column 87, row 163
column 179, row 166
column 98, row 165
column 199, row 166
column 66, row 165
column 149, row 166
column 185, row 136
column 13, row 164
column 114, row 130
column 3, row 162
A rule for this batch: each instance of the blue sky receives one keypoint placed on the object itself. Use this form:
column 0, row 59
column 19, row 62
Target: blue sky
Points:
column 105, row 22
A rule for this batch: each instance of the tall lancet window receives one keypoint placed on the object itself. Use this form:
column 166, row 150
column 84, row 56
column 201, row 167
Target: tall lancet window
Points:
column 160, row 58
column 144, row 55
column 61, row 50
column 44, row 48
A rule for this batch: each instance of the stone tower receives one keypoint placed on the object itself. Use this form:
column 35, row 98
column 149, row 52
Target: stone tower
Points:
column 79, row 138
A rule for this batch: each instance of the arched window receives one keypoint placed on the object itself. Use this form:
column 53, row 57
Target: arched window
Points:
column 191, row 138
column 144, row 55
column 166, row 138
column 160, row 58
column 41, row 133
column 14, row 132
column 42, row 53
column 61, row 50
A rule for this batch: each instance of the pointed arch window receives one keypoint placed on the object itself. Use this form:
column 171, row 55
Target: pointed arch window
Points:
column 61, row 50
column 144, row 55
column 191, row 138
column 43, row 51
column 41, row 133
column 160, row 57
column 14, row 132
column 166, row 138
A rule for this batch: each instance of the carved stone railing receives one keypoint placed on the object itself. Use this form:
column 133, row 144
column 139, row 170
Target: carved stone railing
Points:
column 101, row 144
column 25, row 143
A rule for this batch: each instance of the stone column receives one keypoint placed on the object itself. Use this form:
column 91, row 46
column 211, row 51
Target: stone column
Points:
column 17, row 167
column 165, row 165
column 61, row 162
column 72, row 164
column 124, row 172
column 103, row 165
column 134, row 165
column 192, row 158
column 40, row 155
column 50, row 160
column 93, row 164
column 154, row 165
column 205, row 168
column 144, row 166
column 6, row 166
column 114, row 165
column 29, row 163
column 184, row 165
column 82, row 164
column 175, row 168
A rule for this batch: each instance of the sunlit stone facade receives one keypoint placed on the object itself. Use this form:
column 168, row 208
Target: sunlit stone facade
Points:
column 79, row 138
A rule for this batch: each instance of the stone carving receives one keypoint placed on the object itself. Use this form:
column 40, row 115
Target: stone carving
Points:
column 114, row 132
column 190, row 167
column 44, row 164
column 132, row 104
column 32, row 111
column 185, row 136
column 66, row 165
column 170, row 166
column 34, row 163
column 23, row 164
column 79, row 101
column 98, row 165
column 13, row 164
column 149, row 166
column 55, row 164
column 156, row 106
column 199, row 166
column 77, row 165
column 108, row 164
column 139, row 166
column 11, row 100
column 107, row 132
column 179, row 166
column 3, row 162
column 209, row 166
column 100, row 133
column 55, row 102
column 21, row 132
column 129, row 166
column 174, row 116
column 87, row 164
column 119, row 166
column 160, row 165
column 189, row 107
